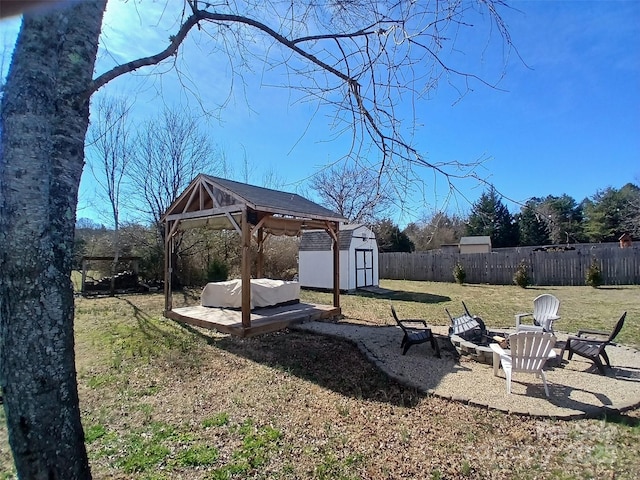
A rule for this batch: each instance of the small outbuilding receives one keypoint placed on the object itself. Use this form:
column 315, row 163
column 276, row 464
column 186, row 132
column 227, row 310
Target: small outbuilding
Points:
column 476, row 244
column 358, row 258
column 625, row 240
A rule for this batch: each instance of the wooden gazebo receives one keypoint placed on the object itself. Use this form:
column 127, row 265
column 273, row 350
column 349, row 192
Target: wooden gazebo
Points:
column 254, row 212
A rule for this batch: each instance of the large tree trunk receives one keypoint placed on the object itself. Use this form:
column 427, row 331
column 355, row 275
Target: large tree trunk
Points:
column 43, row 122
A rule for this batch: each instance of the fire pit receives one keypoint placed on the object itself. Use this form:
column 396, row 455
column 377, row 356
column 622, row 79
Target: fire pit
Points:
column 470, row 337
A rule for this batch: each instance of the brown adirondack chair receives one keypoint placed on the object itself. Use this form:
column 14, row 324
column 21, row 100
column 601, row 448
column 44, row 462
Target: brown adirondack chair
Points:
column 584, row 345
column 413, row 335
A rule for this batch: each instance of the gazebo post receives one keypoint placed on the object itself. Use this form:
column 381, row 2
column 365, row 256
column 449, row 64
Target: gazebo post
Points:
column 83, row 290
column 260, row 268
column 246, row 271
column 167, row 267
column 336, row 264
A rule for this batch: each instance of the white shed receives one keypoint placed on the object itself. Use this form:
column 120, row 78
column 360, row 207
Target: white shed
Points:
column 358, row 258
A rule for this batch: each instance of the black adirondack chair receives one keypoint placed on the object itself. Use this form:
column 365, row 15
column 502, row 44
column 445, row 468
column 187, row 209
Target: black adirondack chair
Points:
column 415, row 335
column 584, row 345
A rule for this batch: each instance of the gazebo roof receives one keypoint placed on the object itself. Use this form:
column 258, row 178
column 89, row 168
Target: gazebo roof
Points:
column 215, row 201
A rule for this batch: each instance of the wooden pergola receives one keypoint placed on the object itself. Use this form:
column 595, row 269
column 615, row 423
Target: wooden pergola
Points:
column 254, row 212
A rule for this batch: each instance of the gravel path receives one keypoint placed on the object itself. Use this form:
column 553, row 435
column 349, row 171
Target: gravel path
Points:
column 576, row 388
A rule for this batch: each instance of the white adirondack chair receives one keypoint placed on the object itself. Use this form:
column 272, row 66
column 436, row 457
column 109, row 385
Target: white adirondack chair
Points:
column 545, row 312
column 528, row 353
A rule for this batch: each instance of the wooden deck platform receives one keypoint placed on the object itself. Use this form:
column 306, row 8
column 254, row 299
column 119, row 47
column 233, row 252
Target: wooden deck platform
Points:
column 263, row 320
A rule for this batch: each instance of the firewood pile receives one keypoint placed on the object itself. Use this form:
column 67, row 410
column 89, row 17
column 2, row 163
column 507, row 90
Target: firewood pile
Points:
column 127, row 280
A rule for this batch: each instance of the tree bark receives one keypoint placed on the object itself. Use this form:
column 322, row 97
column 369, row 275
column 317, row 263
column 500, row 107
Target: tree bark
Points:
column 44, row 119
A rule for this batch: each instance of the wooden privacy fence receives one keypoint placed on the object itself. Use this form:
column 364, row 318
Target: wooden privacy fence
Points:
column 619, row 266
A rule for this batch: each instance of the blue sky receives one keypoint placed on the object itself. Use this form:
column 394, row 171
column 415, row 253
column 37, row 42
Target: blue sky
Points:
column 565, row 119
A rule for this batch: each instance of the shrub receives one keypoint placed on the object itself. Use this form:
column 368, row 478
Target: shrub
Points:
column 458, row 273
column 217, row 271
column 594, row 274
column 521, row 276
column 281, row 258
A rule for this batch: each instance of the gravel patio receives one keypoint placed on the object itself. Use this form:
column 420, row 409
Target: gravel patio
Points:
column 576, row 388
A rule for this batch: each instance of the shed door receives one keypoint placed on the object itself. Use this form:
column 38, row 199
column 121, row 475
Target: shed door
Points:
column 364, row 268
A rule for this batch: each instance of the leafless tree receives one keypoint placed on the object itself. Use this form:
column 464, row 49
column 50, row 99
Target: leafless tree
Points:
column 169, row 152
column 351, row 191
column 437, row 230
column 360, row 59
column 363, row 58
column 43, row 123
column 273, row 179
column 108, row 154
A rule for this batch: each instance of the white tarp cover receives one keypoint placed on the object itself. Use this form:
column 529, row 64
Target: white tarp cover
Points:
column 264, row 293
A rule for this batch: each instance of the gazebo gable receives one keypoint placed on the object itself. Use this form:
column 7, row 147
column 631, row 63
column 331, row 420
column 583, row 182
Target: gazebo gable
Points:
column 209, row 196
column 205, row 197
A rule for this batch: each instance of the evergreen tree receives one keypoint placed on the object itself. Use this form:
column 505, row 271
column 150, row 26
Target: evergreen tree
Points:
column 390, row 238
column 564, row 218
column 631, row 216
column 489, row 216
column 611, row 212
column 531, row 225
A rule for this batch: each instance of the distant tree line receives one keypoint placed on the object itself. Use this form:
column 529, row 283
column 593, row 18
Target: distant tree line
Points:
column 549, row 220
column 203, row 254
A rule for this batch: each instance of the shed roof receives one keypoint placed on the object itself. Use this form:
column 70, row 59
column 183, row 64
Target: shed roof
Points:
column 476, row 240
column 319, row 240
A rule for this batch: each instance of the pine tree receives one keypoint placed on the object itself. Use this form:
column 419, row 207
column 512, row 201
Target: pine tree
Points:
column 531, row 225
column 611, row 212
column 390, row 238
column 564, row 218
column 489, row 216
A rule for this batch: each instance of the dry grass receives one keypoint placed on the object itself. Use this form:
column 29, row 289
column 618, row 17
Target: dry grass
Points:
column 164, row 401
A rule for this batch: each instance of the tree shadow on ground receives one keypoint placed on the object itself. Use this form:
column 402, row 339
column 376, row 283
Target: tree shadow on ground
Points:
column 332, row 363
column 610, row 287
column 150, row 328
column 401, row 295
column 620, row 418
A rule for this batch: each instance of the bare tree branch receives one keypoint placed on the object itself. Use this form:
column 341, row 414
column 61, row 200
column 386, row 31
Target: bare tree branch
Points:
column 360, row 68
